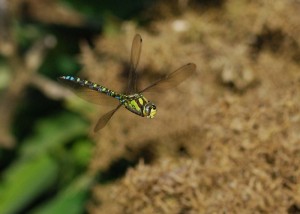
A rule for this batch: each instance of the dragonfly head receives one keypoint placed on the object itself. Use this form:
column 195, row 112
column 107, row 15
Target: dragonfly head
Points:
column 149, row 110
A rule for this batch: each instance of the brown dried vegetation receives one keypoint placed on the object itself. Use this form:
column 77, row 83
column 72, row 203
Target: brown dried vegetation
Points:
column 226, row 140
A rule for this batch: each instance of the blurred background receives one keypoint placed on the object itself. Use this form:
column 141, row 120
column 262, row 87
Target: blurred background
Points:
column 225, row 141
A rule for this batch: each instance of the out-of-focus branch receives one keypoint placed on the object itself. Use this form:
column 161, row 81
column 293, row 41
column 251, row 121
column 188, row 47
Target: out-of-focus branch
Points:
column 46, row 11
column 23, row 68
column 23, row 71
column 50, row 88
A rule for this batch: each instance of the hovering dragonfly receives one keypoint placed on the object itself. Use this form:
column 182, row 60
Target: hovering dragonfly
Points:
column 133, row 100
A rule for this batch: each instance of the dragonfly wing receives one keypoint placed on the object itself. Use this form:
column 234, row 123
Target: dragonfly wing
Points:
column 105, row 118
column 171, row 80
column 134, row 61
column 88, row 92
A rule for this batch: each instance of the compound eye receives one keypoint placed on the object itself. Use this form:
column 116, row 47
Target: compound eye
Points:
column 147, row 109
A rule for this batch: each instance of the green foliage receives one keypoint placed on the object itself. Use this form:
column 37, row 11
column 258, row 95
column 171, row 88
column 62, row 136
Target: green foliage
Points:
column 70, row 200
column 38, row 167
column 25, row 180
column 52, row 132
column 4, row 76
column 82, row 152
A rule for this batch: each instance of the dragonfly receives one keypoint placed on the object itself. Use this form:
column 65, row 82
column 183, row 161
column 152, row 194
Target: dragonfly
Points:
column 133, row 99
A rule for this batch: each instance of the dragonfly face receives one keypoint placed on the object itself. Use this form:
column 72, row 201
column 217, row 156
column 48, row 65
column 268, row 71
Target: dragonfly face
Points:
column 150, row 110
column 139, row 105
column 133, row 100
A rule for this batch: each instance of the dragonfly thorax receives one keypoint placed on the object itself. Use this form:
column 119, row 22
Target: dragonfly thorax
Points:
column 139, row 105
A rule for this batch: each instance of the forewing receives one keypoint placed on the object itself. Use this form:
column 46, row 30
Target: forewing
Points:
column 173, row 79
column 87, row 93
column 134, row 61
column 105, row 118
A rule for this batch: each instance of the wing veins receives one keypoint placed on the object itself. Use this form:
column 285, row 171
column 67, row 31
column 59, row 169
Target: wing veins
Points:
column 171, row 80
column 103, row 120
column 136, row 49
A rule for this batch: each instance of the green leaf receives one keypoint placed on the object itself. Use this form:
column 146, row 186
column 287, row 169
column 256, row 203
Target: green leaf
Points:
column 24, row 181
column 5, row 76
column 82, row 152
column 53, row 132
column 72, row 200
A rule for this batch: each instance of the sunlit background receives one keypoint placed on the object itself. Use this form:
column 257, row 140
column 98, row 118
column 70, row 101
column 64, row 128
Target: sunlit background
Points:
column 226, row 140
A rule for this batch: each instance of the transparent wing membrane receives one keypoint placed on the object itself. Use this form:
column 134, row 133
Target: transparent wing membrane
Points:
column 173, row 79
column 105, row 118
column 134, row 61
column 89, row 94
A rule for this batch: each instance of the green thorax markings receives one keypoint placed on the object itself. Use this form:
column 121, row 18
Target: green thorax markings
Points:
column 139, row 105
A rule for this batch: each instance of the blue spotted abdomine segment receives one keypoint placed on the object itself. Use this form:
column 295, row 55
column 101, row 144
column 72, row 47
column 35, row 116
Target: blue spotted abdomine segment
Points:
column 76, row 81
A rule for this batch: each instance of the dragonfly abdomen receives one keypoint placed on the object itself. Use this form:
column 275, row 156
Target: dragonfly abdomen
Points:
column 76, row 81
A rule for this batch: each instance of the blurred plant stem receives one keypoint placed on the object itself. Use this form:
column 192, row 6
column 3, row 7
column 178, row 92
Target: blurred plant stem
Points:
column 22, row 69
